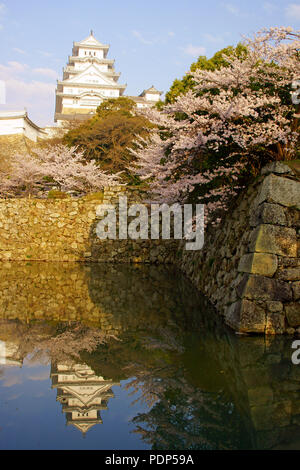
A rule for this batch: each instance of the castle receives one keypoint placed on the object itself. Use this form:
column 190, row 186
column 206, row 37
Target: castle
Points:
column 88, row 79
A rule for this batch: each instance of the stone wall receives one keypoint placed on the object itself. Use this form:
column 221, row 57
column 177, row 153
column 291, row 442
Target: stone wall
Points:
column 250, row 266
column 65, row 230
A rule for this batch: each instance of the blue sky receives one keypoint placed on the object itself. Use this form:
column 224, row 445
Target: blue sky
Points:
column 152, row 42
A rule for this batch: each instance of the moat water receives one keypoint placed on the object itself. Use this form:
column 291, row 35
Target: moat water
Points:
column 133, row 357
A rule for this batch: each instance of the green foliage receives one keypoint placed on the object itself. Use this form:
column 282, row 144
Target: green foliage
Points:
column 48, row 179
column 92, row 196
column 107, row 137
column 122, row 106
column 56, row 194
column 214, row 63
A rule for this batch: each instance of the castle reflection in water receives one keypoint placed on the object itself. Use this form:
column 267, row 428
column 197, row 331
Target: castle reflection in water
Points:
column 81, row 393
column 99, row 327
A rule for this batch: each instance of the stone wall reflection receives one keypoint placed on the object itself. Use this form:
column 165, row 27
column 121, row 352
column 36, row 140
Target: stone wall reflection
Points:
column 206, row 386
column 266, row 386
column 112, row 298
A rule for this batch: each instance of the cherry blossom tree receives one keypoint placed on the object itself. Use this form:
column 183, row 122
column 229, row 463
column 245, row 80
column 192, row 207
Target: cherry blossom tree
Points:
column 234, row 120
column 23, row 175
column 68, row 168
column 65, row 166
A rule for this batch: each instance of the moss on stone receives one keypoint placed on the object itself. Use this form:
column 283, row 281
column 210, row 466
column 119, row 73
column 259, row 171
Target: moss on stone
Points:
column 56, row 194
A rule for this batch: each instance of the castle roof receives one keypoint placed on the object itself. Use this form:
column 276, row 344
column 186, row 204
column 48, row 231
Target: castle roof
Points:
column 152, row 90
column 91, row 72
column 91, row 42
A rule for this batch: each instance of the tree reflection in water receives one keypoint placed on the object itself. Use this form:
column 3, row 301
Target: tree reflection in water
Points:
column 147, row 328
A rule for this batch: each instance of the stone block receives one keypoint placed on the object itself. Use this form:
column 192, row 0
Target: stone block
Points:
column 276, row 167
column 274, row 239
column 279, row 190
column 246, row 317
column 296, row 290
column 259, row 263
column 274, row 307
column 255, row 287
column 290, row 274
column 268, row 214
column 289, row 262
column 275, row 324
column 290, row 331
column 272, row 214
column 292, row 311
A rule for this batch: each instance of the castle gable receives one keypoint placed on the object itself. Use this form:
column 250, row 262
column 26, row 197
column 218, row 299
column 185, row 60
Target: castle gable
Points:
column 92, row 76
column 90, row 41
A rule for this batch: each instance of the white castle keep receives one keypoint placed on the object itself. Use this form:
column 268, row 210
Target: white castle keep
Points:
column 88, row 79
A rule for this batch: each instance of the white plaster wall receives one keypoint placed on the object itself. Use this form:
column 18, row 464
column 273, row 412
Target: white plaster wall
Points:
column 67, row 102
column 30, row 132
column 151, row 97
column 90, row 52
column 70, row 90
column 19, row 126
column 80, row 65
column 11, row 126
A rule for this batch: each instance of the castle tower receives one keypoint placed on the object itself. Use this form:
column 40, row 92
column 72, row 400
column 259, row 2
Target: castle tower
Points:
column 82, row 394
column 147, row 98
column 88, row 79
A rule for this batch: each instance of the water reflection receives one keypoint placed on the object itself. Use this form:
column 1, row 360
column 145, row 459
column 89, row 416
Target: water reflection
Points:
column 114, row 331
column 81, row 393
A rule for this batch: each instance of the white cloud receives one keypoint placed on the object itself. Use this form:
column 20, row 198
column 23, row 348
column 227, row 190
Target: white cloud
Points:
column 194, row 51
column 46, row 72
column 269, row 7
column 19, row 51
column 12, row 381
column 2, row 12
column 140, row 37
column 44, row 375
column 36, row 96
column 212, row 38
column 46, row 53
column 25, row 89
column 292, row 11
column 12, row 69
column 231, row 8
column 171, row 34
